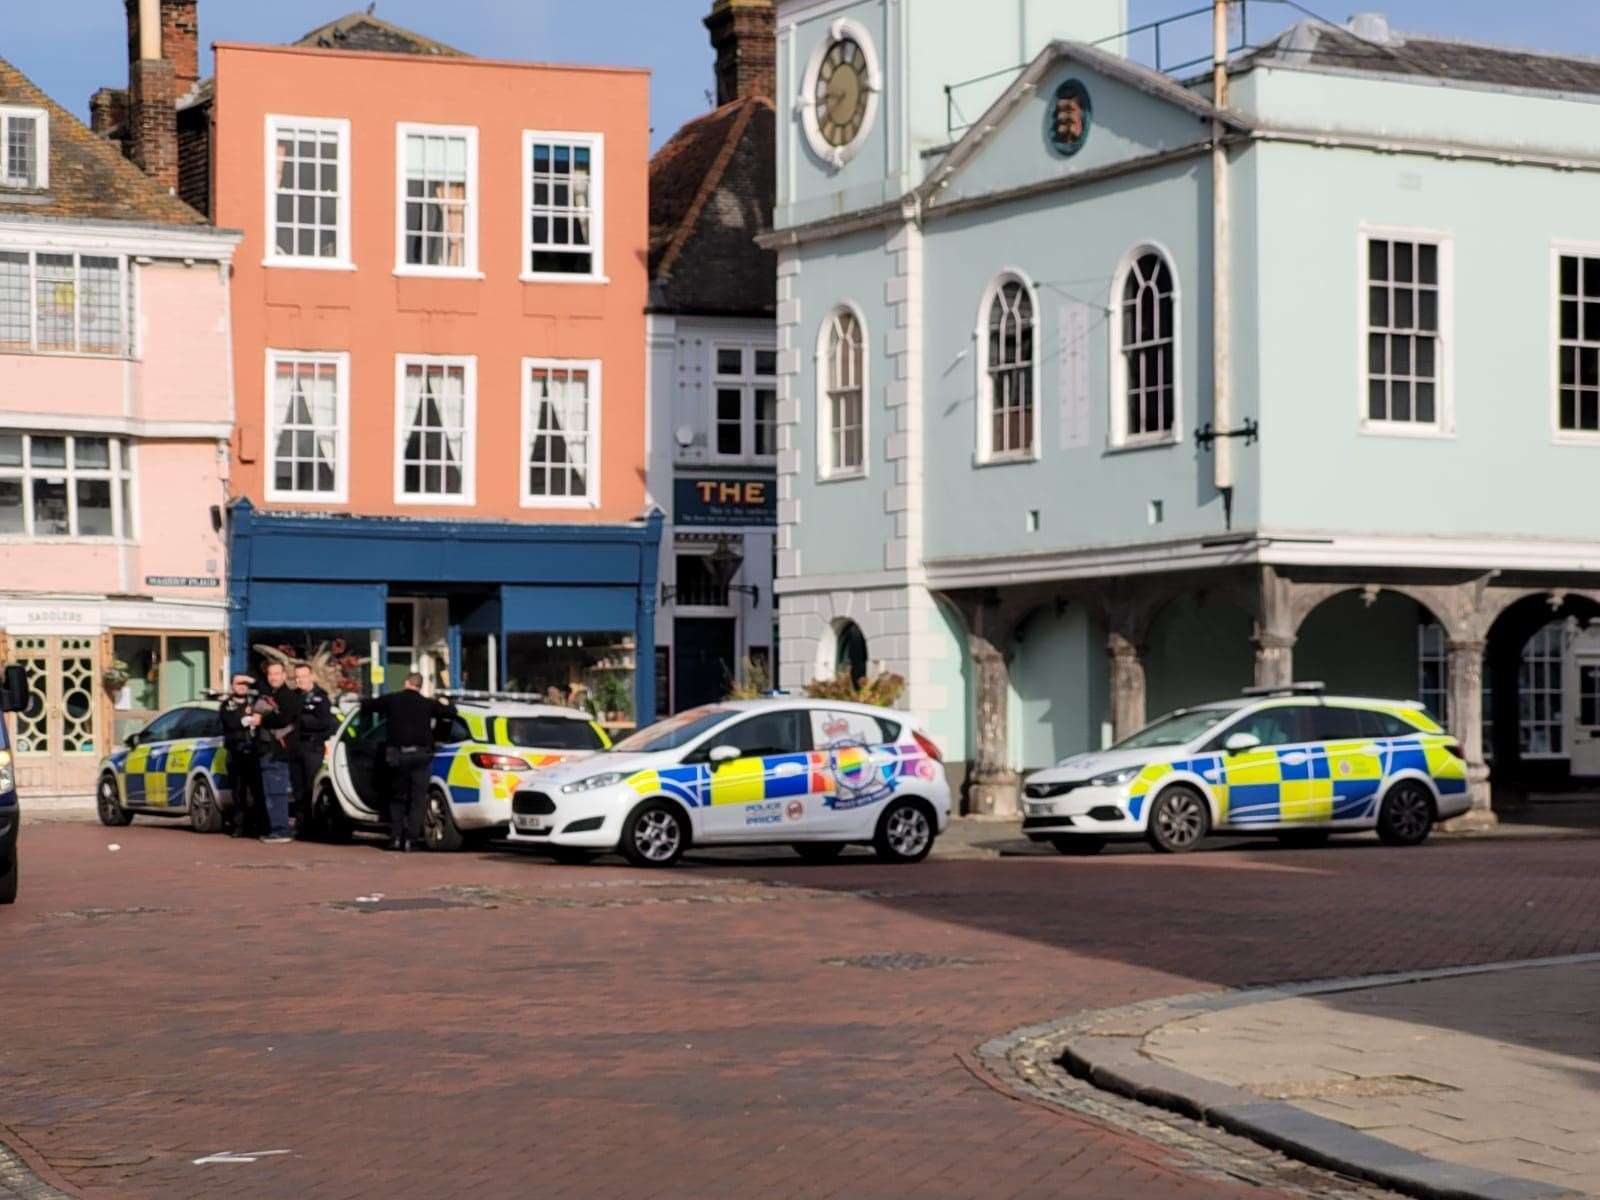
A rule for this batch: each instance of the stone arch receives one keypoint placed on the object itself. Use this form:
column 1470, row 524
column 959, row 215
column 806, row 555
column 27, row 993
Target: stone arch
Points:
column 1383, row 658
column 1197, row 647
column 1551, row 755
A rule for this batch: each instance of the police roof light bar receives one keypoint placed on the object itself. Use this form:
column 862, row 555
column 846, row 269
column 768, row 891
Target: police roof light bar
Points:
column 1310, row 688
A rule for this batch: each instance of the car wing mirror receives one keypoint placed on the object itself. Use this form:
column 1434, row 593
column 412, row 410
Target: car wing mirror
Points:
column 131, row 740
column 723, row 754
column 1238, row 743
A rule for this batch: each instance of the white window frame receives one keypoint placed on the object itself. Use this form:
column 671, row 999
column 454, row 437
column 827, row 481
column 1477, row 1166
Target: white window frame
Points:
column 747, row 382
column 469, row 432
column 469, row 133
column 597, row 206
column 591, row 499
column 41, row 119
column 827, row 472
column 1443, row 424
column 1558, row 249
column 1120, row 438
column 986, row 454
column 119, row 472
column 272, row 256
column 341, row 484
column 128, row 344
column 1539, row 654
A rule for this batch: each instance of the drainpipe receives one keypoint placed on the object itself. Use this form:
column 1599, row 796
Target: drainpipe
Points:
column 1221, row 266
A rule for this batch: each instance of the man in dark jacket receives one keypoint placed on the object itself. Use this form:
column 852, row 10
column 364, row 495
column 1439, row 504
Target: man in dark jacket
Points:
column 312, row 728
column 244, row 766
column 409, row 719
column 278, row 708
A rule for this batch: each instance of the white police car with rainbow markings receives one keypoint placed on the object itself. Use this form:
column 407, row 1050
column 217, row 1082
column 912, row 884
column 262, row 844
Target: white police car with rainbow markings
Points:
column 176, row 766
column 1289, row 762
column 814, row 774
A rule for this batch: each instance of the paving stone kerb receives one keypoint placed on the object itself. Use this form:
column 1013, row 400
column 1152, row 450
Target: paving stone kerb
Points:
column 1105, row 1048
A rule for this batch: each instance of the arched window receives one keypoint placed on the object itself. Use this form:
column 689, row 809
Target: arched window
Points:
column 1149, row 349
column 1009, row 371
column 850, row 651
column 843, row 399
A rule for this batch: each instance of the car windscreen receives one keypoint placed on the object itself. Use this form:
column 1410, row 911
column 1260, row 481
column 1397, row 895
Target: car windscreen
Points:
column 674, row 731
column 1175, row 729
column 552, row 733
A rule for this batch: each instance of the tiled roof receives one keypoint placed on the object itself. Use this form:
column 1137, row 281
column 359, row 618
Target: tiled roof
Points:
column 712, row 188
column 89, row 178
column 1313, row 45
column 363, row 31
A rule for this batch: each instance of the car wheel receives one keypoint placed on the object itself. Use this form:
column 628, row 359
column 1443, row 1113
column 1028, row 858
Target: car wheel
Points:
column 1406, row 816
column 205, row 815
column 905, row 832
column 1179, row 820
column 328, row 822
column 109, row 804
column 439, row 828
column 1304, row 839
column 818, row 851
column 1078, row 847
column 654, row 835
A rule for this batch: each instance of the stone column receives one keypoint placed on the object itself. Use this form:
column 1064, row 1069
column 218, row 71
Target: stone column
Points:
column 1274, row 635
column 1127, row 685
column 1466, row 722
column 993, row 788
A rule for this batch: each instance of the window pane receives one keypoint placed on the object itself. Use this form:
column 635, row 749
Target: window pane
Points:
column 1427, row 263
column 10, row 449
column 91, row 452
column 766, row 362
column 50, row 518
column 94, row 508
column 48, row 451
column 1378, row 259
column 11, row 516
column 1569, row 275
column 730, row 362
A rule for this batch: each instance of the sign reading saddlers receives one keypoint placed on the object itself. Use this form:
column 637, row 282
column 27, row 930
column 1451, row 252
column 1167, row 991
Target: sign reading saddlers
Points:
column 724, row 501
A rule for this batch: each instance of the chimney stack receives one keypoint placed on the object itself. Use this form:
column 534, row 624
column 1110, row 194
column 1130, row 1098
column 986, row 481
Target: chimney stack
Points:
column 163, row 65
column 744, row 34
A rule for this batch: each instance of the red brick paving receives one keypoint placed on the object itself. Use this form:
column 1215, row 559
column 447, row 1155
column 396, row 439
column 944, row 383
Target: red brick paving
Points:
column 606, row 1032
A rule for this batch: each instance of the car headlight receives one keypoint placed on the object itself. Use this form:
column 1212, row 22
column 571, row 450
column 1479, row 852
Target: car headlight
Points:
column 593, row 781
column 1115, row 778
column 8, row 781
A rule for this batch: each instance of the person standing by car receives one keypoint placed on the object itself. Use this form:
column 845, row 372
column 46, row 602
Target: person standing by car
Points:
column 277, row 709
column 313, row 726
column 244, row 764
column 409, row 718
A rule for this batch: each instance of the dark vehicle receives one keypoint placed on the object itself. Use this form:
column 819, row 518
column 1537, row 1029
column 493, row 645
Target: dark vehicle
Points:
column 13, row 698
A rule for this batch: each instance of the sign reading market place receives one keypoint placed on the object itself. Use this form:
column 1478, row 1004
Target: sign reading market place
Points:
column 724, row 501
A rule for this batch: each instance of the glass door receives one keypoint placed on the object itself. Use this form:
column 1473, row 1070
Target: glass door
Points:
column 57, row 732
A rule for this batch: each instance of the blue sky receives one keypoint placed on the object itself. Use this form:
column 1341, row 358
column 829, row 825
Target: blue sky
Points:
column 71, row 47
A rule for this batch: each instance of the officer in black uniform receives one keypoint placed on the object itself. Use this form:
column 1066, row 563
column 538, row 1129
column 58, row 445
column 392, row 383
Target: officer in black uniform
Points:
column 313, row 726
column 244, row 766
column 409, row 719
column 276, row 710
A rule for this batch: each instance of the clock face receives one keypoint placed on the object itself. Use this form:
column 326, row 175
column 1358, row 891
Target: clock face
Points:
column 842, row 92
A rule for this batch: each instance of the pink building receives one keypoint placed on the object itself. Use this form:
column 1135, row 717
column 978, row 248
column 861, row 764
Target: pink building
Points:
column 115, row 413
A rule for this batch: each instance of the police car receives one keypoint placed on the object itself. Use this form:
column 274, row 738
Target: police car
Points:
column 14, row 697
column 815, row 774
column 176, row 766
column 1290, row 762
column 494, row 743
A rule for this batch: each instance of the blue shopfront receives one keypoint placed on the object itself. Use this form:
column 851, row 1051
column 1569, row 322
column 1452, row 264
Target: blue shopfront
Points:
column 563, row 611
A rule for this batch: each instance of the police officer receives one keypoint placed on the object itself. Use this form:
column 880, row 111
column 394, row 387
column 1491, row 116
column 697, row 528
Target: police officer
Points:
column 409, row 718
column 244, row 766
column 276, row 710
column 312, row 728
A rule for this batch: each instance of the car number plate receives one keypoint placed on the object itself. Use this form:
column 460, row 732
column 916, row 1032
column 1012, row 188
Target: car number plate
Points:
column 532, row 823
